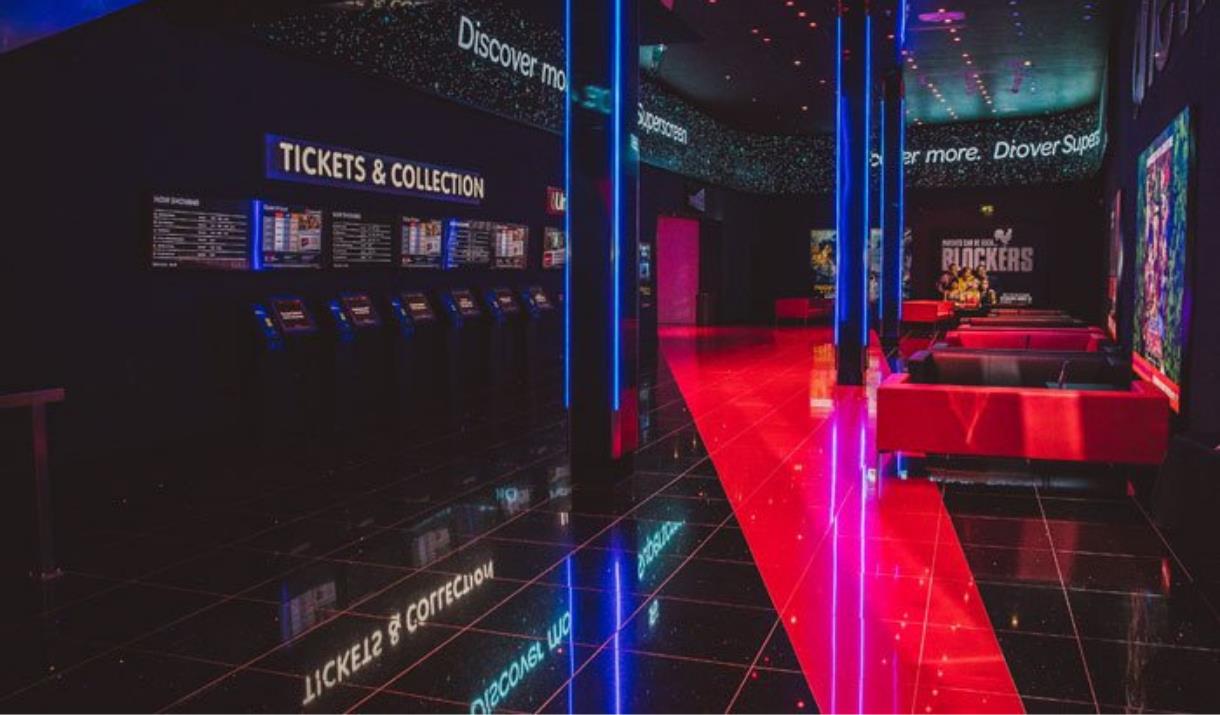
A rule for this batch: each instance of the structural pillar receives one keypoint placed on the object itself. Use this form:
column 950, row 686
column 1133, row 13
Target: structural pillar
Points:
column 853, row 156
column 601, row 167
column 893, row 182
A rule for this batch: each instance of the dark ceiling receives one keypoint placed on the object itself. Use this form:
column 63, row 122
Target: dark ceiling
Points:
column 768, row 65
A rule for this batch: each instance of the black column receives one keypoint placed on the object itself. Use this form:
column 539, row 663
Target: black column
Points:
column 893, row 181
column 853, row 156
column 602, row 173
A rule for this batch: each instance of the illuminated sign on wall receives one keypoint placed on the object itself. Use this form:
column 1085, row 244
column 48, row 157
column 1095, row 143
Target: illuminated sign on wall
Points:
column 313, row 163
column 376, row 642
column 472, row 38
column 651, row 123
column 556, row 201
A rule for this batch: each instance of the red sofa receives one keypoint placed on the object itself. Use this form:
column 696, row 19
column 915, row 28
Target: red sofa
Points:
column 803, row 309
column 1115, row 427
column 1044, row 339
column 927, row 312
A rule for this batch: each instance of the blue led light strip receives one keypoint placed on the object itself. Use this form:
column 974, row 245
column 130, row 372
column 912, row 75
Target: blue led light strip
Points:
column 616, row 166
column 838, row 174
column 902, row 160
column 256, row 248
column 868, row 130
column 881, row 289
column 567, row 211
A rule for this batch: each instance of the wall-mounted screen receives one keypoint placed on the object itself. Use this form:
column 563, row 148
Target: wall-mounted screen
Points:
column 358, row 239
column 554, row 248
column 468, row 243
column 511, row 246
column 422, row 242
column 193, row 232
column 291, row 237
column 1162, row 226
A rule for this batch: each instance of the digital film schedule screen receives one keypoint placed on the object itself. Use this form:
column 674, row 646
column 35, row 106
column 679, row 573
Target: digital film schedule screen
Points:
column 193, row 232
column 511, row 246
column 470, row 244
column 358, row 239
column 422, row 241
column 291, row 237
column 554, row 248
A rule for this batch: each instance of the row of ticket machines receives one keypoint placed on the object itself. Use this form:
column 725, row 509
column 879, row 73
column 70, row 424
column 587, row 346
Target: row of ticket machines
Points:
column 360, row 360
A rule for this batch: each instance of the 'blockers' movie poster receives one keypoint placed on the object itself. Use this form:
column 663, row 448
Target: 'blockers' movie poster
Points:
column 1160, row 258
column 989, row 265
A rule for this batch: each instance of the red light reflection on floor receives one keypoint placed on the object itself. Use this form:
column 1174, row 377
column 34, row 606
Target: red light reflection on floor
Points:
column 867, row 573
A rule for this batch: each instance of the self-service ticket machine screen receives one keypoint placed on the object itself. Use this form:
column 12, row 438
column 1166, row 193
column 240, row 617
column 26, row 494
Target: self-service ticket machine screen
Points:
column 418, row 307
column 293, row 316
column 465, row 303
column 540, row 299
column 360, row 311
column 288, row 379
column 506, row 301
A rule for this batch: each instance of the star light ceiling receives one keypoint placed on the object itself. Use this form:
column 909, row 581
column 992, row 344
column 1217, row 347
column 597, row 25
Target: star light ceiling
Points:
column 978, row 59
column 762, row 65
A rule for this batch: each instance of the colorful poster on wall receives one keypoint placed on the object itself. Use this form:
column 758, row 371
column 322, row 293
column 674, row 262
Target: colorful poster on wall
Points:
column 822, row 243
column 1160, row 258
column 1114, row 272
column 822, row 260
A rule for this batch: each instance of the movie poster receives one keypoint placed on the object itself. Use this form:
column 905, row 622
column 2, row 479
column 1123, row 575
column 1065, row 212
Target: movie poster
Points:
column 1160, row 258
column 989, row 266
column 822, row 260
column 1114, row 273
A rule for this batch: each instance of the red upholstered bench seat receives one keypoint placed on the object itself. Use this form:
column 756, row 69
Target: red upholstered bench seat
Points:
column 1003, row 403
column 803, row 309
column 1045, row 339
column 926, row 311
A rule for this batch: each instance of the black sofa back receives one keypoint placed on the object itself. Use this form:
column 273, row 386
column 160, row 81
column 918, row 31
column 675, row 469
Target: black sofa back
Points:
column 1017, row 368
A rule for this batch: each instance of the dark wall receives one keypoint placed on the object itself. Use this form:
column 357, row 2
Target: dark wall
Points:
column 763, row 241
column 99, row 118
column 1189, row 79
column 1065, row 223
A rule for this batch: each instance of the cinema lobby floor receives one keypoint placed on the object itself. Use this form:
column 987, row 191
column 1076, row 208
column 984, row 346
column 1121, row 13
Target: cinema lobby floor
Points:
column 756, row 562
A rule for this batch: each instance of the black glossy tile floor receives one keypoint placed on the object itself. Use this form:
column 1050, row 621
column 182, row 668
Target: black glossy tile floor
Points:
column 459, row 571
column 1094, row 607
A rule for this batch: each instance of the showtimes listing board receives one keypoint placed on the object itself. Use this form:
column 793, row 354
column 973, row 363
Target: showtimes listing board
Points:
column 422, row 242
column 554, row 248
column 359, row 239
column 511, row 246
column 291, row 237
column 194, row 232
column 469, row 244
